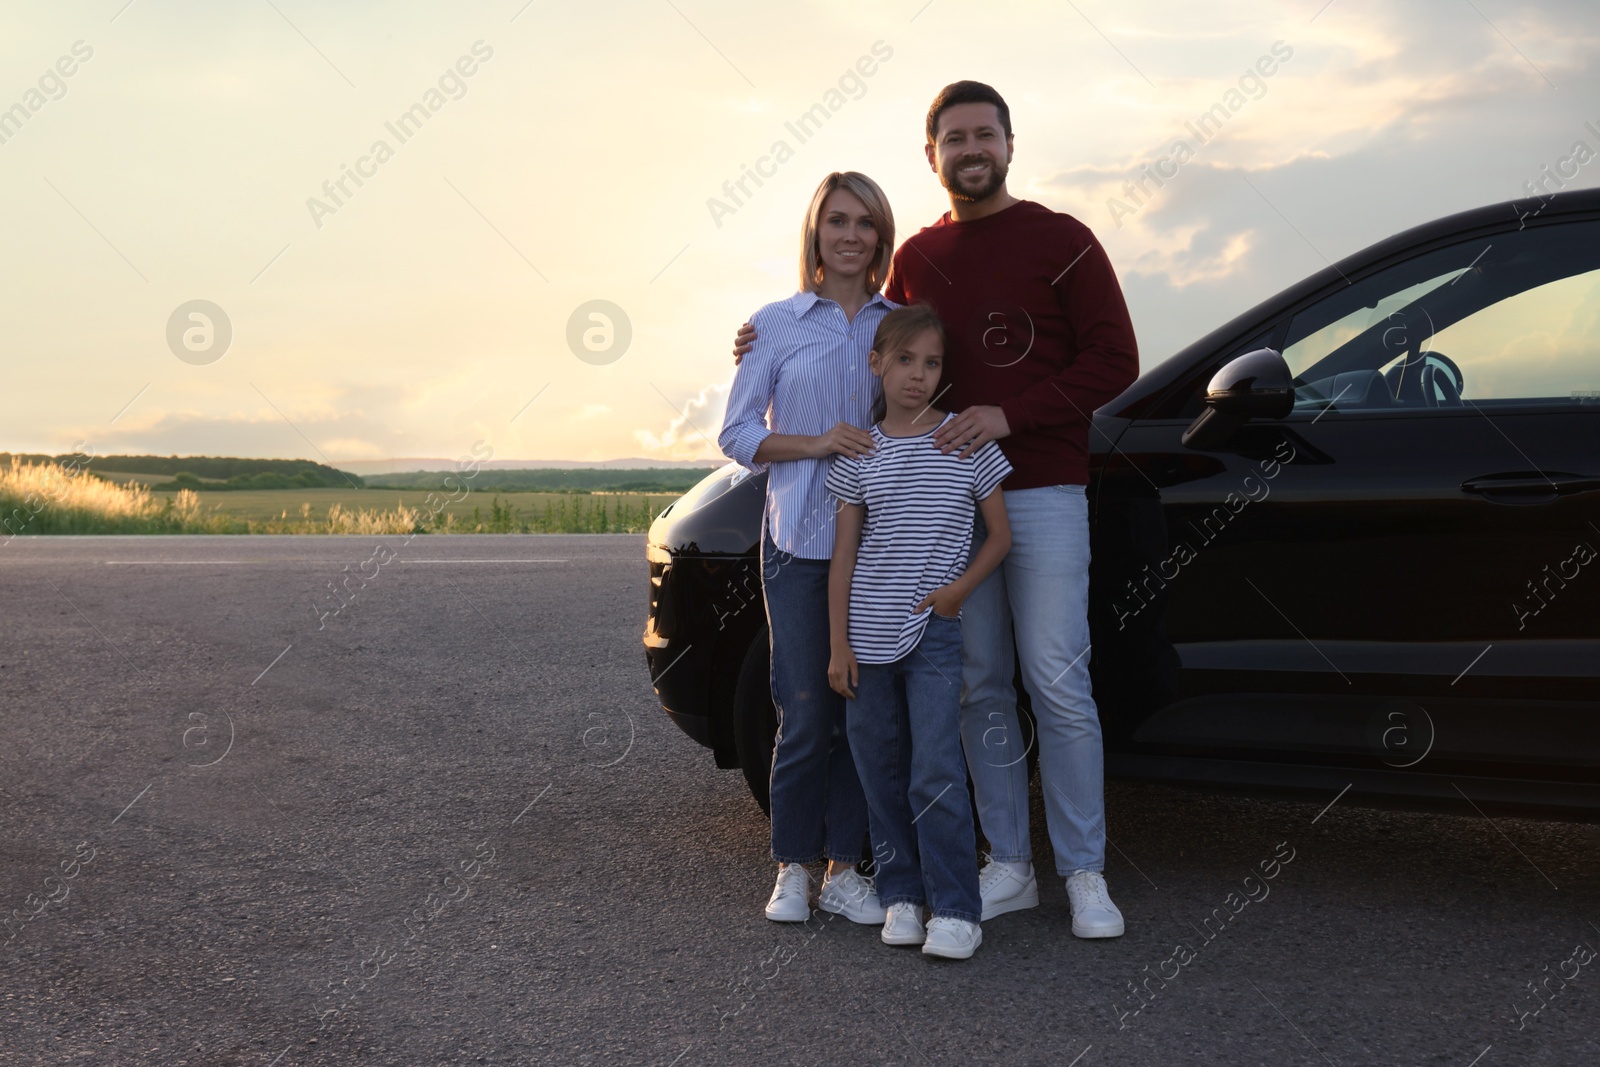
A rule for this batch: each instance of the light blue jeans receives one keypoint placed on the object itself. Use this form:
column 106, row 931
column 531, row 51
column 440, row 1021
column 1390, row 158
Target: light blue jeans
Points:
column 1042, row 590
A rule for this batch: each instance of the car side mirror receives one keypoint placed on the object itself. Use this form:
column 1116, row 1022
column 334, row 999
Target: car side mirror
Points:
column 1256, row 385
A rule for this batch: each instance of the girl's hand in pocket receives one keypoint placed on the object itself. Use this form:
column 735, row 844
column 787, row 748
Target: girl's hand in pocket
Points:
column 843, row 672
column 945, row 600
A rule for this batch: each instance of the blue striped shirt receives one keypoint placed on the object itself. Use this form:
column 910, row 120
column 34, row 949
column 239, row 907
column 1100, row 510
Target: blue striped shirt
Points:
column 916, row 536
column 806, row 373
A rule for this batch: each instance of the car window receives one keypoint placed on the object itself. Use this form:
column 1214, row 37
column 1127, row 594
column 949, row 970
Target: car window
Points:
column 1510, row 320
column 1301, row 354
column 1543, row 344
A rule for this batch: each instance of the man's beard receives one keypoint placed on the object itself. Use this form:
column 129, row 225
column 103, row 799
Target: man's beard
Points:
column 952, row 182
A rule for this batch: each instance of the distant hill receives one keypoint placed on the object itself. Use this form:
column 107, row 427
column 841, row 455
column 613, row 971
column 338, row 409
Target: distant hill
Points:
column 395, row 466
column 213, row 473
column 585, row 480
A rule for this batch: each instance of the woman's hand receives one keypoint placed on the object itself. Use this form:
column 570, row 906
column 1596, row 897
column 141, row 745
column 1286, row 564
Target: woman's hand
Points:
column 945, row 600
column 843, row 672
column 844, row 439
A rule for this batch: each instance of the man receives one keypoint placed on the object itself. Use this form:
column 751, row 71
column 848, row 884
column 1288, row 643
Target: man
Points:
column 1039, row 337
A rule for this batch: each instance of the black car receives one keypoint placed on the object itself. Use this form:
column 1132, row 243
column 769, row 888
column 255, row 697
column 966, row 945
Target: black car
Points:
column 1347, row 540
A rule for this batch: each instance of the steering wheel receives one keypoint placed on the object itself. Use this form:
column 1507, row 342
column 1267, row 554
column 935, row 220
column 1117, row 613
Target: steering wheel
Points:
column 1440, row 375
column 1425, row 378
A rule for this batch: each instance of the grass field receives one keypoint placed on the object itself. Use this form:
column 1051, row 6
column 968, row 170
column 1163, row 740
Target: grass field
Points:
column 56, row 499
column 476, row 513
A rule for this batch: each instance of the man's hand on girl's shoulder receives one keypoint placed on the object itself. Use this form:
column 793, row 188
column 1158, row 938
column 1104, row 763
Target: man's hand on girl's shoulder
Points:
column 743, row 341
column 971, row 430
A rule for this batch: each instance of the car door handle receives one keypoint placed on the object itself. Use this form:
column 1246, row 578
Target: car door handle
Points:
column 1530, row 487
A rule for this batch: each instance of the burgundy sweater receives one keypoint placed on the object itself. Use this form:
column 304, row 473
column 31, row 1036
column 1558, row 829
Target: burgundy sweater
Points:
column 1036, row 323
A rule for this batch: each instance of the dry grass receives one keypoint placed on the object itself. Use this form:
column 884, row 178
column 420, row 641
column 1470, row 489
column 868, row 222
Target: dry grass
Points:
column 48, row 498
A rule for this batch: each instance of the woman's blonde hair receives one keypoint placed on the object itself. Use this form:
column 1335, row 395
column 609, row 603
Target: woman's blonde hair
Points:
column 882, row 221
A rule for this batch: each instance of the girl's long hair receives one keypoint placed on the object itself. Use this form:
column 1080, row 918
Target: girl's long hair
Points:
column 882, row 222
column 896, row 330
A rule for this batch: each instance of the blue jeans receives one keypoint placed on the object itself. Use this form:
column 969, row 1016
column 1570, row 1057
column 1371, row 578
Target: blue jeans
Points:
column 1042, row 590
column 905, row 726
column 817, row 806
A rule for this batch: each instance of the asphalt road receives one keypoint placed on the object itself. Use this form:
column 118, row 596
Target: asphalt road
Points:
column 450, row 825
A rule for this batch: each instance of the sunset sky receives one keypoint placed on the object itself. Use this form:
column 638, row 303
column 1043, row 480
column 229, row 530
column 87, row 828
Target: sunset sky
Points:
column 423, row 309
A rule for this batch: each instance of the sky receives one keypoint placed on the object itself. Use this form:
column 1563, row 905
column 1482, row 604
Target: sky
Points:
column 562, row 154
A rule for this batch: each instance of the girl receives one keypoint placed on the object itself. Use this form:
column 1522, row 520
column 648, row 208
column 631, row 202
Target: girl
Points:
column 895, row 589
column 802, row 394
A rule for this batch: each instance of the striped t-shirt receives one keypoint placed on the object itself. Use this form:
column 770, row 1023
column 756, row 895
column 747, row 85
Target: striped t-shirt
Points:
column 916, row 536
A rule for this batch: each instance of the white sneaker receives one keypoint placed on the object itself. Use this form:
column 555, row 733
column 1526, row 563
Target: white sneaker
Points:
column 851, row 895
column 904, row 925
column 1001, row 889
column 1093, row 914
column 954, row 939
column 791, row 897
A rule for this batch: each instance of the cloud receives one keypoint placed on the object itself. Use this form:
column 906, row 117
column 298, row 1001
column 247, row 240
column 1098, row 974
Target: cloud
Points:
column 1382, row 120
column 332, row 438
column 1379, row 89
column 693, row 433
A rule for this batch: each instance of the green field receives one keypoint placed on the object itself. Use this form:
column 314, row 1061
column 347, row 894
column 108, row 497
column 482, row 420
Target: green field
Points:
column 65, row 498
column 477, row 512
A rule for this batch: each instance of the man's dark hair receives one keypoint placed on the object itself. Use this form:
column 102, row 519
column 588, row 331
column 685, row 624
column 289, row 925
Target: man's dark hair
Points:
column 966, row 93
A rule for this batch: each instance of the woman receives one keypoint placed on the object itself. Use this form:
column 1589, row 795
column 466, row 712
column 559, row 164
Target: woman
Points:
column 805, row 392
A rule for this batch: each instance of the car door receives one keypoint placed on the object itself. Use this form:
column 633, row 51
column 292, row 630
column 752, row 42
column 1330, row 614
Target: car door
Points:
column 1404, row 567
